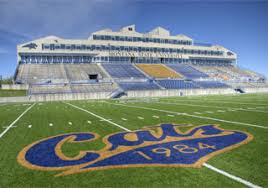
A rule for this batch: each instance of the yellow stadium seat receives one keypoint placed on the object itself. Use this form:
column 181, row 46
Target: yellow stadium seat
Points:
column 158, row 71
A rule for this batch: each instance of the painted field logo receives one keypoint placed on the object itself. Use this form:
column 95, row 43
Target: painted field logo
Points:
column 163, row 145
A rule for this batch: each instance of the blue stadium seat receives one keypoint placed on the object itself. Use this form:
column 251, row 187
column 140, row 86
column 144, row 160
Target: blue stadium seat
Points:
column 211, row 84
column 138, row 85
column 188, row 71
column 123, row 70
column 177, row 84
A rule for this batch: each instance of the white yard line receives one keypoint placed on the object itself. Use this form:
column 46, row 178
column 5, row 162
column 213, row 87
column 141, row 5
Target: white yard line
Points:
column 102, row 118
column 205, row 164
column 254, row 111
column 170, row 115
column 247, row 183
column 200, row 117
column 230, row 102
column 182, row 104
column 15, row 121
column 240, row 180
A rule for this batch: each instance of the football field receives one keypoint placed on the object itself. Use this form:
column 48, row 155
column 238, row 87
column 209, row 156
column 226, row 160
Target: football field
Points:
column 79, row 143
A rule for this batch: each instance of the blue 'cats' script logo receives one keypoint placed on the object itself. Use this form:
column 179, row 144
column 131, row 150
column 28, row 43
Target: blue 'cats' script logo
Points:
column 163, row 146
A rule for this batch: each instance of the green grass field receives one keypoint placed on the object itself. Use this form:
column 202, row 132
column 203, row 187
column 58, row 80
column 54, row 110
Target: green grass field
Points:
column 246, row 112
column 12, row 93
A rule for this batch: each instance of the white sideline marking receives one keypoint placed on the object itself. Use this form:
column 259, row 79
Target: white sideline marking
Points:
column 11, row 127
column 247, row 183
column 220, row 111
column 170, row 115
column 156, row 117
column 182, row 104
column 91, row 113
column 200, row 117
column 140, row 117
column 256, row 111
column 221, row 171
column 124, row 119
column 209, row 112
column 105, row 120
column 230, row 108
column 197, row 113
column 13, row 123
column 230, row 102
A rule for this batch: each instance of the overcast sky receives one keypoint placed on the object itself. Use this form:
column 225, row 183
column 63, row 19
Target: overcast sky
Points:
column 241, row 26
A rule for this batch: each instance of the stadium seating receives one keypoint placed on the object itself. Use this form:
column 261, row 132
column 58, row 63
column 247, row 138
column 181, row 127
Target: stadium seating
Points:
column 72, row 88
column 177, row 84
column 158, row 71
column 49, row 89
column 211, row 84
column 92, row 88
column 41, row 73
column 230, row 73
column 138, row 86
column 81, row 72
column 87, row 78
column 188, row 71
column 122, row 70
column 214, row 72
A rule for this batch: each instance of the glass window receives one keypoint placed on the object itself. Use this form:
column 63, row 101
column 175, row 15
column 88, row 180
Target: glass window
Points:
column 51, row 46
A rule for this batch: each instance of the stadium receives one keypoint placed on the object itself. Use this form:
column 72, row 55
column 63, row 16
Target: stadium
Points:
column 127, row 64
column 133, row 106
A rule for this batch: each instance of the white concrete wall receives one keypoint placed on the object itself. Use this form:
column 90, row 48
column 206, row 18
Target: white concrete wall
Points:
column 15, row 86
column 74, row 96
column 130, row 94
column 13, row 99
column 175, row 92
column 256, row 90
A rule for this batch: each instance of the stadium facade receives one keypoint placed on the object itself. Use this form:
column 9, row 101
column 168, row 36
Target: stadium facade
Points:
column 128, row 63
column 128, row 46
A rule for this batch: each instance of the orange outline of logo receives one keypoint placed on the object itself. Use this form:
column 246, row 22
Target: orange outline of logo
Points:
column 103, row 152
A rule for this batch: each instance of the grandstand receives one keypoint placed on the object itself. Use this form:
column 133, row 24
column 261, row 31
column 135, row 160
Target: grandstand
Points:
column 138, row 86
column 93, row 88
column 188, row 71
column 41, row 73
column 84, row 72
column 127, row 61
column 123, row 71
column 177, row 84
column 158, row 71
column 211, row 84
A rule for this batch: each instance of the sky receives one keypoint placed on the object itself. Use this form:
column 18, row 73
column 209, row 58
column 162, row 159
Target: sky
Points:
column 239, row 25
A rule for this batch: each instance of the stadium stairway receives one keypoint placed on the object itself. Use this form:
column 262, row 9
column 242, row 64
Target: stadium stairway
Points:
column 117, row 93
